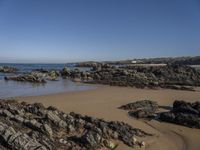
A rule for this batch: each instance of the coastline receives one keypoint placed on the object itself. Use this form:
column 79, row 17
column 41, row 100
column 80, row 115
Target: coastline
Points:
column 103, row 102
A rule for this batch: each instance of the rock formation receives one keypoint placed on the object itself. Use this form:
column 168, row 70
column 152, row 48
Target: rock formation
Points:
column 32, row 126
column 26, row 78
column 141, row 109
column 8, row 69
column 39, row 76
column 183, row 113
column 170, row 76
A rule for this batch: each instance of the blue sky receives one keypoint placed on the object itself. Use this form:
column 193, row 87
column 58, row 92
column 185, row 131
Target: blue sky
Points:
column 57, row 31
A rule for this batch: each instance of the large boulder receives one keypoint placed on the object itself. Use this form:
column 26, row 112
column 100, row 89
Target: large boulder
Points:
column 183, row 113
column 65, row 72
column 17, row 140
column 92, row 139
column 184, row 107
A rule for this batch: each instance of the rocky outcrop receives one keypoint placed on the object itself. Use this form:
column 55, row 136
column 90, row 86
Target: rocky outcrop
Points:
column 177, row 77
column 32, row 126
column 183, row 113
column 52, row 75
column 17, row 140
column 141, row 109
column 170, row 76
column 39, row 76
column 65, row 72
column 8, row 69
column 26, row 78
column 76, row 75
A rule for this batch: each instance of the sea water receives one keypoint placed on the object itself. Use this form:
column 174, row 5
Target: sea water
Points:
column 9, row 89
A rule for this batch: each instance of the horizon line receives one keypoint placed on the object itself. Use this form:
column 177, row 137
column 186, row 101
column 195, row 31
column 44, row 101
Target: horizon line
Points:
column 116, row 60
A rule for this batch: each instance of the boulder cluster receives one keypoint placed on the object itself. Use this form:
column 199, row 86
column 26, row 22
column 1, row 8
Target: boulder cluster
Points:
column 8, row 69
column 37, row 76
column 170, row 76
column 32, row 126
column 182, row 113
column 26, row 78
column 77, row 75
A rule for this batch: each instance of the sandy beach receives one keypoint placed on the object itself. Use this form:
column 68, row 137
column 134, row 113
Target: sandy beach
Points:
column 104, row 101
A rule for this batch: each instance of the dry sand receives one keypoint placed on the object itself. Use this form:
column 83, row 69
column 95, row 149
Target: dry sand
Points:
column 103, row 102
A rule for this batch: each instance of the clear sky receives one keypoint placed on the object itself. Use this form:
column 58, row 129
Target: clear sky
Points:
column 78, row 30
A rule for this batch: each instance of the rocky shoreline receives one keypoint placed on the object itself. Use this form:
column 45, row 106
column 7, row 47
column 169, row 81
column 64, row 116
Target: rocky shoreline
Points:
column 171, row 76
column 37, row 76
column 32, row 126
column 182, row 113
column 177, row 77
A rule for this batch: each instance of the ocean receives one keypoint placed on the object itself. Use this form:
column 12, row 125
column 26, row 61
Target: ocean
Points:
column 10, row 89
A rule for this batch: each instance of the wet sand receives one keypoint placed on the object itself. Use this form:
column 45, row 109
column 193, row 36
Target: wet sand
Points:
column 104, row 101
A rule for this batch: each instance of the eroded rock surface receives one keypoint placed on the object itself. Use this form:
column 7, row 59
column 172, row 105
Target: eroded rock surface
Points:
column 183, row 113
column 170, row 76
column 32, row 126
column 8, row 69
column 38, row 76
column 27, row 78
column 141, row 109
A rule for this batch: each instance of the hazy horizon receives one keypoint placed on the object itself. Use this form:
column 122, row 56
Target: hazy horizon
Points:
column 50, row 31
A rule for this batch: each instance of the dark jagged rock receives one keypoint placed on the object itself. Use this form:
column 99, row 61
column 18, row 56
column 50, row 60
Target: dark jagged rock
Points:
column 170, row 76
column 17, row 140
column 37, row 76
column 143, row 104
column 8, row 69
column 183, row 113
column 32, row 126
column 52, row 75
column 76, row 75
column 27, row 78
column 141, row 109
column 184, row 107
column 42, row 70
column 65, row 72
